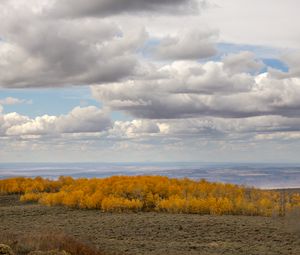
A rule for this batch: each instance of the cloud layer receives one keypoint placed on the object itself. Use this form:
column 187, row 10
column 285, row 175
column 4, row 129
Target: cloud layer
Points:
column 221, row 89
column 162, row 79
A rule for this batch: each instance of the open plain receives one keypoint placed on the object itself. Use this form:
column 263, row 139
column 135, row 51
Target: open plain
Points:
column 154, row 233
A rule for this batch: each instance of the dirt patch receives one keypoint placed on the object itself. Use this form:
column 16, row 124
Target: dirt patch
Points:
column 154, row 233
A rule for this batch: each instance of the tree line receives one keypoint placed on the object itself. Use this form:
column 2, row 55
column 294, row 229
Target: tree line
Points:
column 152, row 193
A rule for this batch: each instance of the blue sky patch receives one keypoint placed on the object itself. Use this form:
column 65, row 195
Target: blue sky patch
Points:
column 50, row 101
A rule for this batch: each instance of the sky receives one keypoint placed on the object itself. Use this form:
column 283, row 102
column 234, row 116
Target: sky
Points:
column 149, row 80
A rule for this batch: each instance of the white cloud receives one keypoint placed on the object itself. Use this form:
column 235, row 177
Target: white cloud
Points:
column 134, row 129
column 79, row 120
column 84, row 120
column 13, row 101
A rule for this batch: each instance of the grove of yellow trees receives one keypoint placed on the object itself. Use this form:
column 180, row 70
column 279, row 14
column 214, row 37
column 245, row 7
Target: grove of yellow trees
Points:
column 151, row 193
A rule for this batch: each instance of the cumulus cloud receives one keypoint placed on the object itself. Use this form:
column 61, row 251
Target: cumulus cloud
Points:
column 9, row 120
column 186, row 89
column 79, row 120
column 103, row 8
column 68, row 134
column 194, row 44
column 192, row 89
column 36, row 51
column 206, row 129
column 90, row 123
column 84, row 120
column 134, row 128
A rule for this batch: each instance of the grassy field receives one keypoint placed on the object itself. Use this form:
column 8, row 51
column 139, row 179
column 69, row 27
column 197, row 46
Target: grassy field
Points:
column 154, row 233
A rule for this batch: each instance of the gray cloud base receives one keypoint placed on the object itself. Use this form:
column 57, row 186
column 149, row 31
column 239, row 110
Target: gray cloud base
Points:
column 102, row 8
column 43, row 52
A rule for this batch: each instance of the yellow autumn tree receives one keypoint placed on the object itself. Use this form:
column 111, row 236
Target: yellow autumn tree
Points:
column 151, row 193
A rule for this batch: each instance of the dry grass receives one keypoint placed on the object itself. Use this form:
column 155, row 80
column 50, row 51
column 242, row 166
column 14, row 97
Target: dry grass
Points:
column 22, row 244
column 292, row 220
column 148, row 233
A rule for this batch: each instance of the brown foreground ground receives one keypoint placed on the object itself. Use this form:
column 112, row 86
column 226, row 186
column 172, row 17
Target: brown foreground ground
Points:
column 155, row 233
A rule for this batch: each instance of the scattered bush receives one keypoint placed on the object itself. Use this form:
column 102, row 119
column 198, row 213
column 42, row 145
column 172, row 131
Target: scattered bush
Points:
column 47, row 244
column 6, row 250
